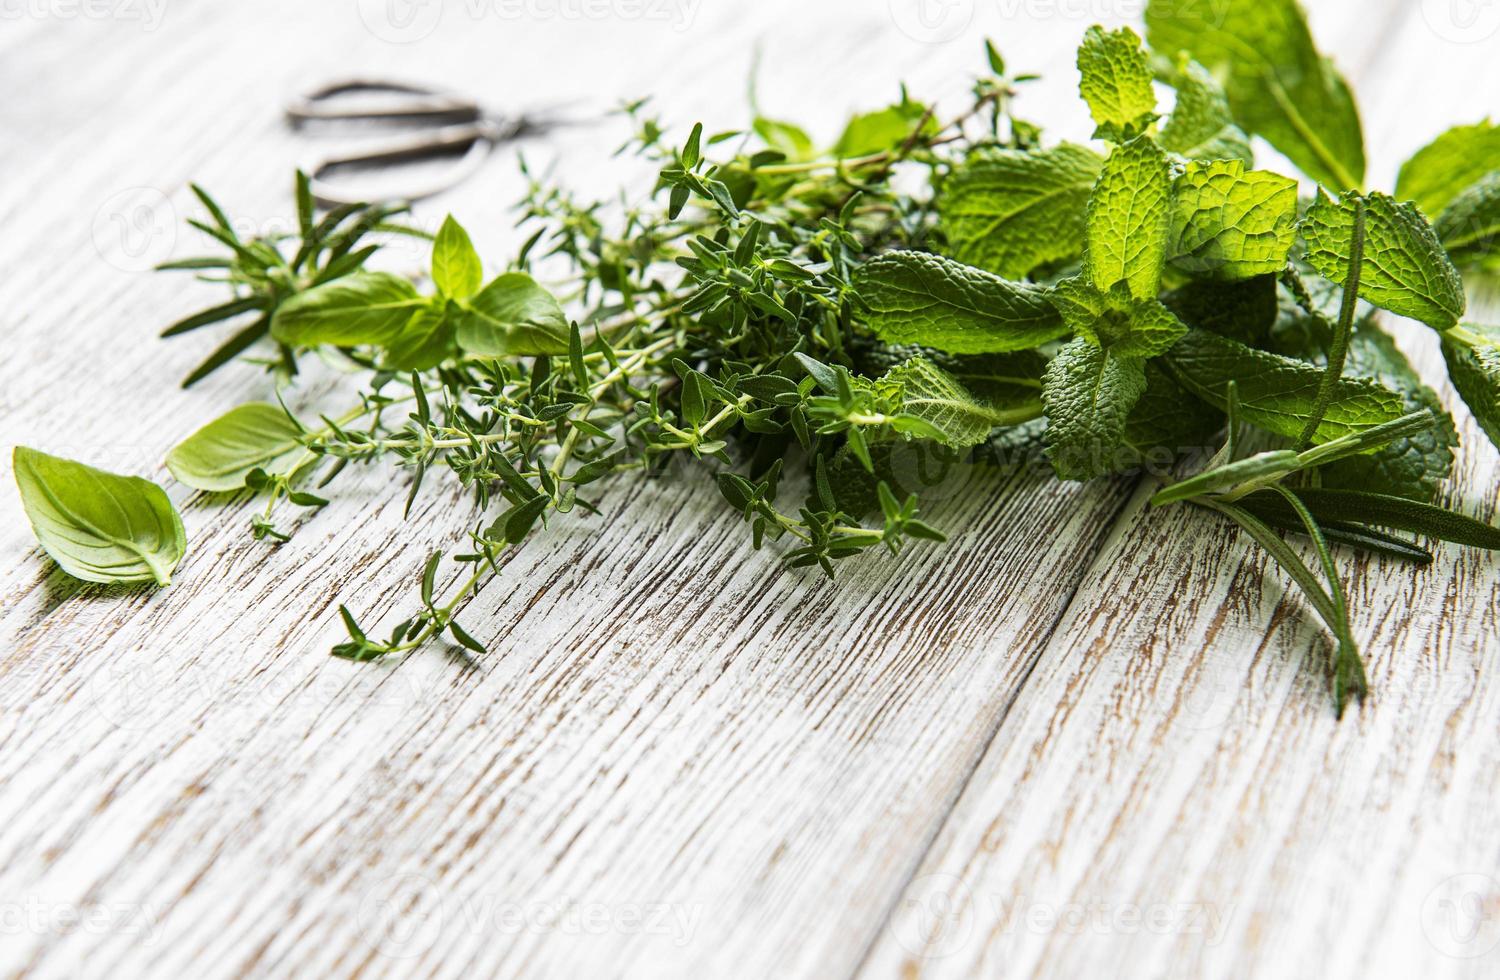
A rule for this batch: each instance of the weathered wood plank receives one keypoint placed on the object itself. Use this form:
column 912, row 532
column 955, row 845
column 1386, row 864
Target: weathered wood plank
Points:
column 1172, row 791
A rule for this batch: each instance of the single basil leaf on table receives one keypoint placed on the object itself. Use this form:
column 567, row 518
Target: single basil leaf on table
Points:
column 1276, row 393
column 1010, row 211
column 918, row 298
column 947, row 410
column 1201, row 126
column 1089, row 394
column 361, row 308
column 1230, row 223
column 456, row 269
column 1469, row 227
column 1444, row 168
column 1128, row 215
column 220, row 455
column 1473, row 356
column 1278, row 85
column 1405, row 269
column 513, row 316
column 1115, row 81
column 97, row 526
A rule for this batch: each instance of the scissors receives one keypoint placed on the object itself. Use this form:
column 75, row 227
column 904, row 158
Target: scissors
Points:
column 445, row 126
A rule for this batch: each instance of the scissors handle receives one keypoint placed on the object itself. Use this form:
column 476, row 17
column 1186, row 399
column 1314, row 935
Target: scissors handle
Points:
column 416, row 104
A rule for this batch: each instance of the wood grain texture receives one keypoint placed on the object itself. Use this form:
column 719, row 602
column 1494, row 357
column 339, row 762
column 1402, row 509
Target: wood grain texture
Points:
column 678, row 761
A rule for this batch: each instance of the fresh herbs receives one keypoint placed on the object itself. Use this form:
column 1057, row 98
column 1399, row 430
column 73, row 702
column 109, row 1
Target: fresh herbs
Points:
column 829, row 332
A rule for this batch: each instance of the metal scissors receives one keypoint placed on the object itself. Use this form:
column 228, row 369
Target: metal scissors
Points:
column 444, row 126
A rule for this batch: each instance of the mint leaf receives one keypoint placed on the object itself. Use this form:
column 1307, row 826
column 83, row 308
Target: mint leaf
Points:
column 1229, row 223
column 947, row 410
column 456, row 269
column 1277, row 393
column 1473, row 356
column 1405, row 269
column 1278, row 85
column 512, row 316
column 220, row 455
column 918, row 298
column 1413, row 466
column 362, row 308
column 1456, row 160
column 97, row 526
column 1469, row 226
column 1201, row 127
column 1117, row 321
column 1167, row 422
column 1116, row 83
column 1243, row 310
column 1009, row 211
column 1089, row 393
column 1128, row 215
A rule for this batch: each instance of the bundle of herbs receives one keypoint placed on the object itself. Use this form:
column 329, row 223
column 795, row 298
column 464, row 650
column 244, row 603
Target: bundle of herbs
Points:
column 775, row 302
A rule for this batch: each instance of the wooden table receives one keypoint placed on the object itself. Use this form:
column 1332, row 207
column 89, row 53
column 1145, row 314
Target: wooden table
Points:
column 1086, row 739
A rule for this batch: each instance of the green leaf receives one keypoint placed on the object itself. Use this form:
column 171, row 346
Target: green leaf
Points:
column 220, row 455
column 1009, row 211
column 97, row 526
column 1405, row 269
column 1444, row 168
column 1121, row 324
column 1469, row 227
column 1416, row 465
column 917, row 298
column 1116, row 83
column 1243, row 310
column 882, row 130
column 785, row 138
column 1474, row 368
column 945, row 407
column 513, row 316
column 1167, row 422
column 1229, row 223
column 427, row 340
column 1201, row 127
column 1128, row 215
column 1359, row 507
column 1089, row 393
column 1277, row 393
column 456, row 269
column 362, row 308
column 1278, row 85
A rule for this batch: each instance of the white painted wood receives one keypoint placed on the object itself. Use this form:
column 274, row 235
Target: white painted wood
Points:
column 721, row 770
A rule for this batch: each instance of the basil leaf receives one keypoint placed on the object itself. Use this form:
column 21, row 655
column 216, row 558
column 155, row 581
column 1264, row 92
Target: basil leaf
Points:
column 1128, row 215
column 1089, row 393
column 97, row 526
column 456, row 269
column 513, row 316
column 1009, row 211
column 1201, row 127
column 1441, row 170
column 220, row 455
column 1276, row 393
column 918, row 298
column 1278, row 85
column 949, row 412
column 360, row 308
column 786, row 138
column 427, row 340
column 1473, row 356
column 882, row 130
column 1229, row 223
column 1405, row 269
column 1115, row 80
